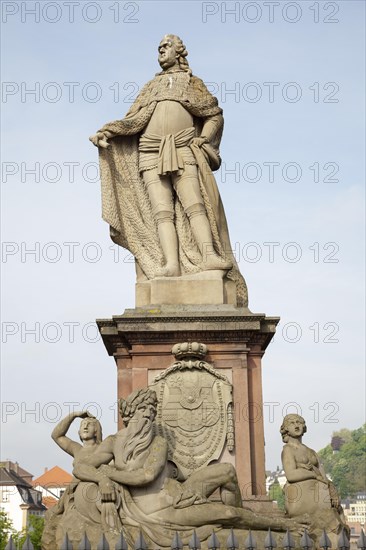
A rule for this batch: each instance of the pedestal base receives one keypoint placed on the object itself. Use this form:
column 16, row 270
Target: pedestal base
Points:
column 141, row 341
column 207, row 287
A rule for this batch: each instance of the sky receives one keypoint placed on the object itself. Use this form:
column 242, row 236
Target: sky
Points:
column 290, row 78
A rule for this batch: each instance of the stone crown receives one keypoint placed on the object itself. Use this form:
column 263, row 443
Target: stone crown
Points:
column 189, row 350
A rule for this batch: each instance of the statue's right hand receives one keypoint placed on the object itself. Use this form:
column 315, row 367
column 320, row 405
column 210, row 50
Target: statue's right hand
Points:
column 83, row 414
column 100, row 139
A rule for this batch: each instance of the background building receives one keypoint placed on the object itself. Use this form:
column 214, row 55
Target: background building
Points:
column 355, row 512
column 52, row 484
column 18, row 498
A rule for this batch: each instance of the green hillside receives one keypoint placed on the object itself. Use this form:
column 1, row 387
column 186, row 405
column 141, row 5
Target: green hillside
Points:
column 347, row 467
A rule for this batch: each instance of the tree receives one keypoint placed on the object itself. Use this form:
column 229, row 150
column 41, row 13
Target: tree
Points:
column 276, row 493
column 34, row 530
column 344, row 434
column 6, row 529
column 347, row 466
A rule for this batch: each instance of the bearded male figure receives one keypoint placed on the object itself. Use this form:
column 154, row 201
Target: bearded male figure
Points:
column 160, row 197
column 140, row 487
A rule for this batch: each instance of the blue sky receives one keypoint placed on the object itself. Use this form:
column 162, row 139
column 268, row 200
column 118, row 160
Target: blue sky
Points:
column 296, row 108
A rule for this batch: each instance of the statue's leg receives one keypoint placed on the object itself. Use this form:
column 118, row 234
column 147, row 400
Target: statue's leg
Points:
column 189, row 193
column 161, row 197
column 217, row 476
column 197, row 515
column 247, row 519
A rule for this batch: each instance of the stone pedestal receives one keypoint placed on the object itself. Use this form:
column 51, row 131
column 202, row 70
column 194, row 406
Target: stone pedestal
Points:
column 141, row 341
column 205, row 288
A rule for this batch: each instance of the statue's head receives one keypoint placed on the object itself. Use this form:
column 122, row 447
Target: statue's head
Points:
column 139, row 404
column 172, row 52
column 293, row 425
column 138, row 412
column 90, row 428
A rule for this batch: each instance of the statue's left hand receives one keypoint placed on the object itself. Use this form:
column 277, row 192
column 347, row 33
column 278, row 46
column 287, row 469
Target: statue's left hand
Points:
column 107, row 491
column 199, row 141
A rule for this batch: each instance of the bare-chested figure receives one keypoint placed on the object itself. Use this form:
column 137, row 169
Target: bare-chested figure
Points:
column 141, row 485
column 308, row 490
column 90, row 433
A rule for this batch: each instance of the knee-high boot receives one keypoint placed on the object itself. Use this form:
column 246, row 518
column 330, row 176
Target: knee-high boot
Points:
column 202, row 233
column 169, row 243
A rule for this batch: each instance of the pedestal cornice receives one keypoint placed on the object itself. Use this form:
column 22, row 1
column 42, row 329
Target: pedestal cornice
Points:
column 170, row 324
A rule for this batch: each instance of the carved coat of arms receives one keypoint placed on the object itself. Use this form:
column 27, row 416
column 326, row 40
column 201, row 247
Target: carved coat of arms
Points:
column 194, row 414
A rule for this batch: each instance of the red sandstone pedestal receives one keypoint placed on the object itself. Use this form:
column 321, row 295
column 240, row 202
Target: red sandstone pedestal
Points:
column 141, row 341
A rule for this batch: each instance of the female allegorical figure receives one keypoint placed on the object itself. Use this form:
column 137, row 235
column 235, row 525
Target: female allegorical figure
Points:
column 90, row 434
column 308, row 490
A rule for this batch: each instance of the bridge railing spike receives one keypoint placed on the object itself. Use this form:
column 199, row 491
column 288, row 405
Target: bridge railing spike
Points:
column 324, row 541
column 177, row 543
column 343, row 542
column 361, row 543
column 213, row 542
column 305, row 542
column 84, row 544
column 121, row 543
column 232, row 542
column 11, row 544
column 103, row 544
column 28, row 544
column 66, row 544
column 270, row 541
column 140, row 543
column 288, row 542
column 250, row 542
column 194, row 542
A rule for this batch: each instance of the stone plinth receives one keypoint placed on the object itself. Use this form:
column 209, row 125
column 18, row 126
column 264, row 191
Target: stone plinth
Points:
column 141, row 340
column 207, row 287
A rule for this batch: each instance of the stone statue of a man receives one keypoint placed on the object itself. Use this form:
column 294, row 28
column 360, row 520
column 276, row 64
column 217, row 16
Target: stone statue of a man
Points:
column 159, row 194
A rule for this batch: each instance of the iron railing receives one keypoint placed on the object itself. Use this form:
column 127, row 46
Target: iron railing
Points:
column 287, row 542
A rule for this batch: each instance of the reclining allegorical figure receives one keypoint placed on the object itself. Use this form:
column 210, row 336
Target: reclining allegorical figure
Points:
column 139, row 492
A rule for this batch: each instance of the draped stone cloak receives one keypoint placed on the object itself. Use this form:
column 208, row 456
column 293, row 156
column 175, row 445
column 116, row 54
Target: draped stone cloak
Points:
column 125, row 202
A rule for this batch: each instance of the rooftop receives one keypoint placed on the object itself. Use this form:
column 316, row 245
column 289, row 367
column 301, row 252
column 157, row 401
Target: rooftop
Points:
column 18, row 470
column 55, row 477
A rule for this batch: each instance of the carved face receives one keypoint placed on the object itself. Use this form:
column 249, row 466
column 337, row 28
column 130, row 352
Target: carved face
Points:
column 167, row 54
column 88, row 429
column 144, row 411
column 295, row 426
